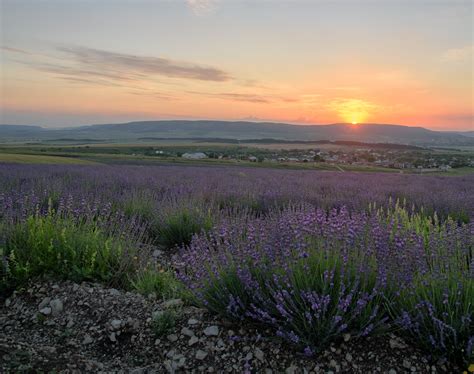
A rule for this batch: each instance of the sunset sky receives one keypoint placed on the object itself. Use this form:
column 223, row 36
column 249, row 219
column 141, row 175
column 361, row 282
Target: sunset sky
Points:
column 76, row 62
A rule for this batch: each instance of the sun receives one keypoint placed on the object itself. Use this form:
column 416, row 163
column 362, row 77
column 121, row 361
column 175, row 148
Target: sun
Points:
column 353, row 111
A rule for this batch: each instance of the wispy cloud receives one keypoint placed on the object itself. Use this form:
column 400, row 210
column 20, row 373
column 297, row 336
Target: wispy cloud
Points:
column 141, row 74
column 245, row 97
column 459, row 54
column 252, row 98
column 86, row 63
column 202, row 7
column 15, row 50
column 345, row 88
column 102, row 61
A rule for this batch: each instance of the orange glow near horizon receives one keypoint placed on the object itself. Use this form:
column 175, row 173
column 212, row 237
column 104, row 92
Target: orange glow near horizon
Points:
column 71, row 72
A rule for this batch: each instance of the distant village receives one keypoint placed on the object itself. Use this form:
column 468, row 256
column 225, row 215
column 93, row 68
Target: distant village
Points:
column 388, row 158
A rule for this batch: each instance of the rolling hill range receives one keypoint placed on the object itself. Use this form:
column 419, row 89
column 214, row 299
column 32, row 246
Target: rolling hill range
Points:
column 133, row 131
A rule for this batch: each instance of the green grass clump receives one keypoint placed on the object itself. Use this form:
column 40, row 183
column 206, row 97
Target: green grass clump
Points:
column 141, row 205
column 164, row 322
column 177, row 228
column 167, row 226
column 62, row 247
column 161, row 283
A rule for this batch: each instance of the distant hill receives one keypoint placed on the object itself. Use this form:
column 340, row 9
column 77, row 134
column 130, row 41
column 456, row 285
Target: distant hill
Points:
column 241, row 130
column 465, row 133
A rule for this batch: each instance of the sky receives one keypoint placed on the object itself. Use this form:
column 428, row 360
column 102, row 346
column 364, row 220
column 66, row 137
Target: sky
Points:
column 76, row 62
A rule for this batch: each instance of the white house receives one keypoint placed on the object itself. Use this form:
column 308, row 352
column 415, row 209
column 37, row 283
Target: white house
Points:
column 194, row 156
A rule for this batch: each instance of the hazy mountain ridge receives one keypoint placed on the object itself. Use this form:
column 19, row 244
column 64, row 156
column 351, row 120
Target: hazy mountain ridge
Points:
column 241, row 130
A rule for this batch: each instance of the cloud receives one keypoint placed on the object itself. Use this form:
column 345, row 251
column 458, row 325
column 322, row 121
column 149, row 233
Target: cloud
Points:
column 65, row 71
column 310, row 99
column 142, row 66
column 202, row 7
column 244, row 97
column 154, row 94
column 15, row 50
column 345, row 88
column 458, row 54
column 252, row 98
column 94, row 67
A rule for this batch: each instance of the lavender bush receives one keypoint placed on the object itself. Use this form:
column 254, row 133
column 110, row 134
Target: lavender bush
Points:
column 315, row 275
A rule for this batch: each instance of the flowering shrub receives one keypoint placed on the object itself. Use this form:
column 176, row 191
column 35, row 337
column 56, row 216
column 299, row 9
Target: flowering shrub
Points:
column 314, row 275
column 436, row 308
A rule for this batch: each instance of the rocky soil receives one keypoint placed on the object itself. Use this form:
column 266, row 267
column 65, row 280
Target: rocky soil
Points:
column 78, row 328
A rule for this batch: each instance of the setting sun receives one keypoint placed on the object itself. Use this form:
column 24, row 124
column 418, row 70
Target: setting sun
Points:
column 353, row 110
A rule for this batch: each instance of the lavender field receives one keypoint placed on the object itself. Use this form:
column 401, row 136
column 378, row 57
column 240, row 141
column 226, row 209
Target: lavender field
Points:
column 314, row 256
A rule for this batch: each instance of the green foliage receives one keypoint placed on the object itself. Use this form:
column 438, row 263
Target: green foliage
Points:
column 141, row 205
column 58, row 246
column 177, row 228
column 167, row 227
column 308, row 275
column 438, row 316
column 159, row 282
column 164, row 322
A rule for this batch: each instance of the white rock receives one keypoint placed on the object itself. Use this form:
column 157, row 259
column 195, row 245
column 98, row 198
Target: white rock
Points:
column 193, row 340
column 201, row 355
column 44, row 303
column 46, row 311
column 172, row 337
column 87, row 339
column 259, row 354
column 211, row 331
column 187, row 332
column 56, row 306
column 116, row 324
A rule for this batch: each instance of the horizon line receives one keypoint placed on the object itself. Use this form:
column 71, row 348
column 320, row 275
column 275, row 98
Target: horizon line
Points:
column 262, row 121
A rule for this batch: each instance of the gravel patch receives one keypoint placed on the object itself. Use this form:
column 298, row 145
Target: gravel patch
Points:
column 74, row 328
